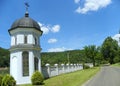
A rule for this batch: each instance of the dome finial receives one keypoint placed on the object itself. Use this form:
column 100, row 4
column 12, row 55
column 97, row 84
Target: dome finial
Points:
column 26, row 13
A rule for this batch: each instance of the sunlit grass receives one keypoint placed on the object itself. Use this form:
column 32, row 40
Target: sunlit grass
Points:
column 117, row 65
column 71, row 79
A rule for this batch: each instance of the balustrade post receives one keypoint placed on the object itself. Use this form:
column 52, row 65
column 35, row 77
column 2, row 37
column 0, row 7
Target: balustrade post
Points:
column 48, row 69
column 57, row 69
column 63, row 68
column 68, row 67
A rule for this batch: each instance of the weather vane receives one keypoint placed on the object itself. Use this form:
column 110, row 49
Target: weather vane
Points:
column 27, row 5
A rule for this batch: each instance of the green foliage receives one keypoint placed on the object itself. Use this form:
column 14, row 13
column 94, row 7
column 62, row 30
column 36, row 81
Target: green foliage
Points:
column 8, row 80
column 4, row 71
column 109, row 49
column 116, row 59
column 91, row 52
column 75, row 56
column 37, row 78
column 4, row 57
column 1, row 79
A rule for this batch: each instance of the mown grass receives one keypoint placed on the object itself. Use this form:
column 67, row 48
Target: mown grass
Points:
column 71, row 79
column 4, row 71
column 117, row 65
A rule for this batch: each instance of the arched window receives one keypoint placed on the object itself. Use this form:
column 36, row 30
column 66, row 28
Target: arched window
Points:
column 35, row 41
column 36, row 63
column 25, row 39
column 25, row 63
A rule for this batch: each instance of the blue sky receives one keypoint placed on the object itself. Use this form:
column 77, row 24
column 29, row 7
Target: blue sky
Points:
column 67, row 24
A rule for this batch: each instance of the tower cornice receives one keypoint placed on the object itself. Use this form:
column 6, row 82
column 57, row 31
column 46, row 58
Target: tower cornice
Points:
column 25, row 47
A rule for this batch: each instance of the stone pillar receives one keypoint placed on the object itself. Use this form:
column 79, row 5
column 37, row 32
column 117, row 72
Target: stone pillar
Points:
column 57, row 69
column 48, row 69
column 74, row 67
column 68, row 67
column 63, row 68
column 71, row 67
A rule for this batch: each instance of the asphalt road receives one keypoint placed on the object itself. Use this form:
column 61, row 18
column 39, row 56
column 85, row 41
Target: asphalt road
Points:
column 108, row 76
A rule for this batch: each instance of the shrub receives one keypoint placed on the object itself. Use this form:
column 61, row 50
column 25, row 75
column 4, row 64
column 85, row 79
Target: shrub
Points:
column 37, row 78
column 8, row 80
column 1, row 79
column 86, row 66
column 116, row 59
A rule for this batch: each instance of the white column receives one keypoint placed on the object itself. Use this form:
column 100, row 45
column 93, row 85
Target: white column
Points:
column 63, row 68
column 57, row 69
column 48, row 69
column 68, row 67
column 31, row 63
column 39, row 64
column 71, row 67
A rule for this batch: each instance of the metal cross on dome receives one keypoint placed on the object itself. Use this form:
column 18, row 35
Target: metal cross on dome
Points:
column 27, row 5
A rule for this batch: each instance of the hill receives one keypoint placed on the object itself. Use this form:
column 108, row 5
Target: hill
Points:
column 4, row 57
column 73, row 56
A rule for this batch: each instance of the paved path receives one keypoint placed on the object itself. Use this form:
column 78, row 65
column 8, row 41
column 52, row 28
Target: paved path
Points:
column 108, row 76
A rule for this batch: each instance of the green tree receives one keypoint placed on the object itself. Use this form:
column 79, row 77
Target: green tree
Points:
column 99, row 58
column 4, row 57
column 109, row 49
column 117, row 57
column 91, row 52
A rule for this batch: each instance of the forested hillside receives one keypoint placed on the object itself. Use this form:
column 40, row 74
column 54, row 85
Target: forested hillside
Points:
column 4, row 57
column 74, row 56
column 108, row 52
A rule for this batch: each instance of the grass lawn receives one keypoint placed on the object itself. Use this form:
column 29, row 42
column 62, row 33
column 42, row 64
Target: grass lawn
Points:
column 4, row 71
column 71, row 79
column 117, row 65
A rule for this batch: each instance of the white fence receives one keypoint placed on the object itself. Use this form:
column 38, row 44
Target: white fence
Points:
column 50, row 71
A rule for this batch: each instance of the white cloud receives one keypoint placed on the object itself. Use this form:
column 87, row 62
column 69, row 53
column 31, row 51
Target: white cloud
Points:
column 47, row 28
column 93, row 5
column 53, row 40
column 117, row 38
column 77, row 1
column 55, row 28
column 58, row 49
column 44, row 28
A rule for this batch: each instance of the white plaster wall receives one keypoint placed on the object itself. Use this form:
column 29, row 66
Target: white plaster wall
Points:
column 26, row 79
column 39, row 64
column 30, row 39
column 12, row 40
column 37, row 40
column 20, row 39
column 16, row 59
column 14, row 67
column 31, row 62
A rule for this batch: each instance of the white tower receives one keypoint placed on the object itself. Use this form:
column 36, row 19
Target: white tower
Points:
column 25, row 49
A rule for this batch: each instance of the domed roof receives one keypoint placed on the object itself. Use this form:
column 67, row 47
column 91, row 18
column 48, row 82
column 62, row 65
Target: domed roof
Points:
column 25, row 22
